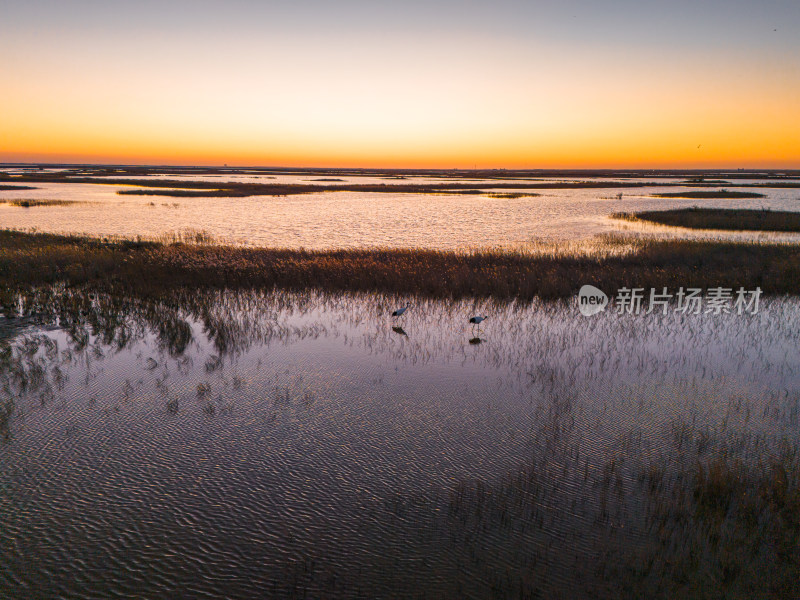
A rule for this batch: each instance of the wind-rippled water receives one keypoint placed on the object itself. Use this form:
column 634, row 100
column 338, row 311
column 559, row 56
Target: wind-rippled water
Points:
column 301, row 445
column 360, row 219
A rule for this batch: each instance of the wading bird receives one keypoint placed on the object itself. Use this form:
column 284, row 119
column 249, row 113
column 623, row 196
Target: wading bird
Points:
column 399, row 312
column 478, row 320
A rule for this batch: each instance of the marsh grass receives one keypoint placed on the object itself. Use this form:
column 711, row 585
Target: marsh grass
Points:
column 184, row 193
column 715, row 194
column 703, row 534
column 149, row 267
column 6, row 410
column 33, row 202
column 728, row 522
column 512, row 195
column 201, row 189
column 720, row 218
column 187, row 236
column 703, row 180
column 12, row 188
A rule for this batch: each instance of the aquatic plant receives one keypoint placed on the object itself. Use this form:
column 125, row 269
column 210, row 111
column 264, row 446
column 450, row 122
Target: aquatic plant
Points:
column 33, row 202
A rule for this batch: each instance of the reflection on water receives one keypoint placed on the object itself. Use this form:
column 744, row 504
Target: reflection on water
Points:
column 356, row 219
column 303, row 445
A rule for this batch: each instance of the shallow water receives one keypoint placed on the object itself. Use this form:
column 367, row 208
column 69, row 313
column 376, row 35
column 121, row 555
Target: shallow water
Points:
column 356, row 219
column 290, row 445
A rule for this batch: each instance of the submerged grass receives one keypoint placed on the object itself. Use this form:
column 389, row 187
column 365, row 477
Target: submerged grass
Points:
column 31, row 202
column 703, row 513
column 150, row 267
column 707, row 534
column 720, row 218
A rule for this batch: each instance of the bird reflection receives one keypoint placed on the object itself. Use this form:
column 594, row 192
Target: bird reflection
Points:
column 399, row 330
column 475, row 341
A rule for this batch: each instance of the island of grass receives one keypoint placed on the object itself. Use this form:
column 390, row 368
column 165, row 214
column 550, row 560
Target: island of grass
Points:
column 14, row 188
column 512, row 195
column 732, row 219
column 238, row 190
column 705, row 195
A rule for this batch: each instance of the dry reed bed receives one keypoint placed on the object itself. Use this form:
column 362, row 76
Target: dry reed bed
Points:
column 150, row 267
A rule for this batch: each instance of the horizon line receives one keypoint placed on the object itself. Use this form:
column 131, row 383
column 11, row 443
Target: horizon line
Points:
column 388, row 168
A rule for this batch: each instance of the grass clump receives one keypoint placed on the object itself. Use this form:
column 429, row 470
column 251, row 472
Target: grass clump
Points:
column 6, row 410
column 33, row 202
column 512, row 195
column 720, row 218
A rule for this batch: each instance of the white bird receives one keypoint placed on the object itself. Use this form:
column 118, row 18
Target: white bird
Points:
column 478, row 320
column 401, row 310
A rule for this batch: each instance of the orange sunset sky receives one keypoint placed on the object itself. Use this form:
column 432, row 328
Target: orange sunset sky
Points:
column 574, row 84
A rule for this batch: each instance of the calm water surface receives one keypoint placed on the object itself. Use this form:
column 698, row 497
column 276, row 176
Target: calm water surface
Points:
column 356, row 219
column 301, row 445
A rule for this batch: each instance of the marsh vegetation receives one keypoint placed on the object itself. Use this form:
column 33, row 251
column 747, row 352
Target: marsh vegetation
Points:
column 207, row 189
column 511, row 195
column 149, row 267
column 33, row 202
column 707, row 195
column 738, row 219
column 13, row 188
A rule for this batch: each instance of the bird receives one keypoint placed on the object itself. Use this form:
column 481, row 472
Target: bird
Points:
column 401, row 310
column 478, row 320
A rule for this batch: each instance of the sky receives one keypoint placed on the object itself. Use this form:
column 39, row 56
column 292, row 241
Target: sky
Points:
column 412, row 84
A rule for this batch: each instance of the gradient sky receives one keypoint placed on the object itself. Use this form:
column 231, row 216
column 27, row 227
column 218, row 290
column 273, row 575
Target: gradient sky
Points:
column 569, row 83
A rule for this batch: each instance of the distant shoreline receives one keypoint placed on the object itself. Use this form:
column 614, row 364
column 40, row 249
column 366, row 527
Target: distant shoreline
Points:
column 155, row 181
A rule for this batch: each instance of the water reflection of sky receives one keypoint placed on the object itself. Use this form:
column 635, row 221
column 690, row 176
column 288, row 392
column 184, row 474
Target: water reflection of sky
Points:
column 354, row 219
column 200, row 438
